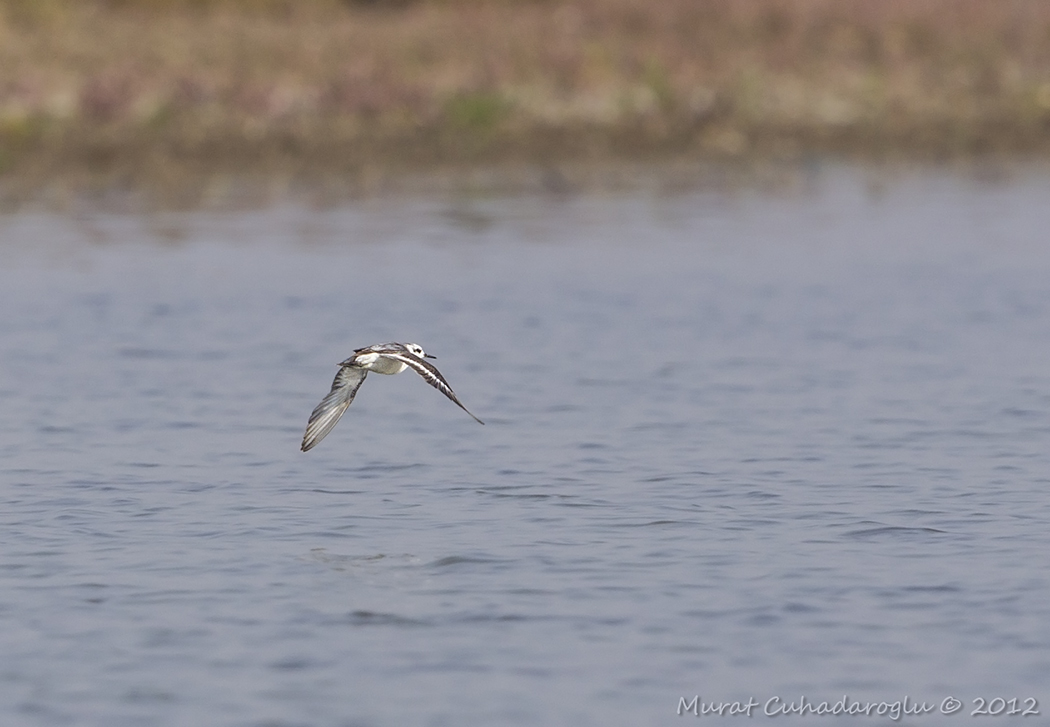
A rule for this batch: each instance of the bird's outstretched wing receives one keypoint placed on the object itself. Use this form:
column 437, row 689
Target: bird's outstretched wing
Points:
column 431, row 375
column 327, row 413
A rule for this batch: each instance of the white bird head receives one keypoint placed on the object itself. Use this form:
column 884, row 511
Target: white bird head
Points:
column 416, row 350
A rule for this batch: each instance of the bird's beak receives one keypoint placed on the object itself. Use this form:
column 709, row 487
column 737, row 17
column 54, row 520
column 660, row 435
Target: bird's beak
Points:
column 427, row 355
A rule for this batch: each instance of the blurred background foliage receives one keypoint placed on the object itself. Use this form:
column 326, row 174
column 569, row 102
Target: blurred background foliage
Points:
column 98, row 83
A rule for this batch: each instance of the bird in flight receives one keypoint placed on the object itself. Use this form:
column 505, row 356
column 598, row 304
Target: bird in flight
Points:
column 383, row 358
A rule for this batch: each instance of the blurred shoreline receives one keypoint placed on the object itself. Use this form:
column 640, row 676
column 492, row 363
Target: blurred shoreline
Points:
column 162, row 92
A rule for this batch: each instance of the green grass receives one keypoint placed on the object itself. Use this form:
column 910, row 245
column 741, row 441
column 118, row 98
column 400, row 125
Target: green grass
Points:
column 476, row 112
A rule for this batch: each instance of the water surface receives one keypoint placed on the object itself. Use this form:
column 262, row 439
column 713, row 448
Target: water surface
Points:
column 738, row 444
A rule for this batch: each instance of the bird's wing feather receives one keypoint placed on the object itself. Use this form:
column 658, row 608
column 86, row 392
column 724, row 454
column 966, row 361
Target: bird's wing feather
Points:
column 430, row 374
column 327, row 413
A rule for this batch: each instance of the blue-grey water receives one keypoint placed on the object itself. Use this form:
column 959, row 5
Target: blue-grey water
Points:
column 740, row 444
